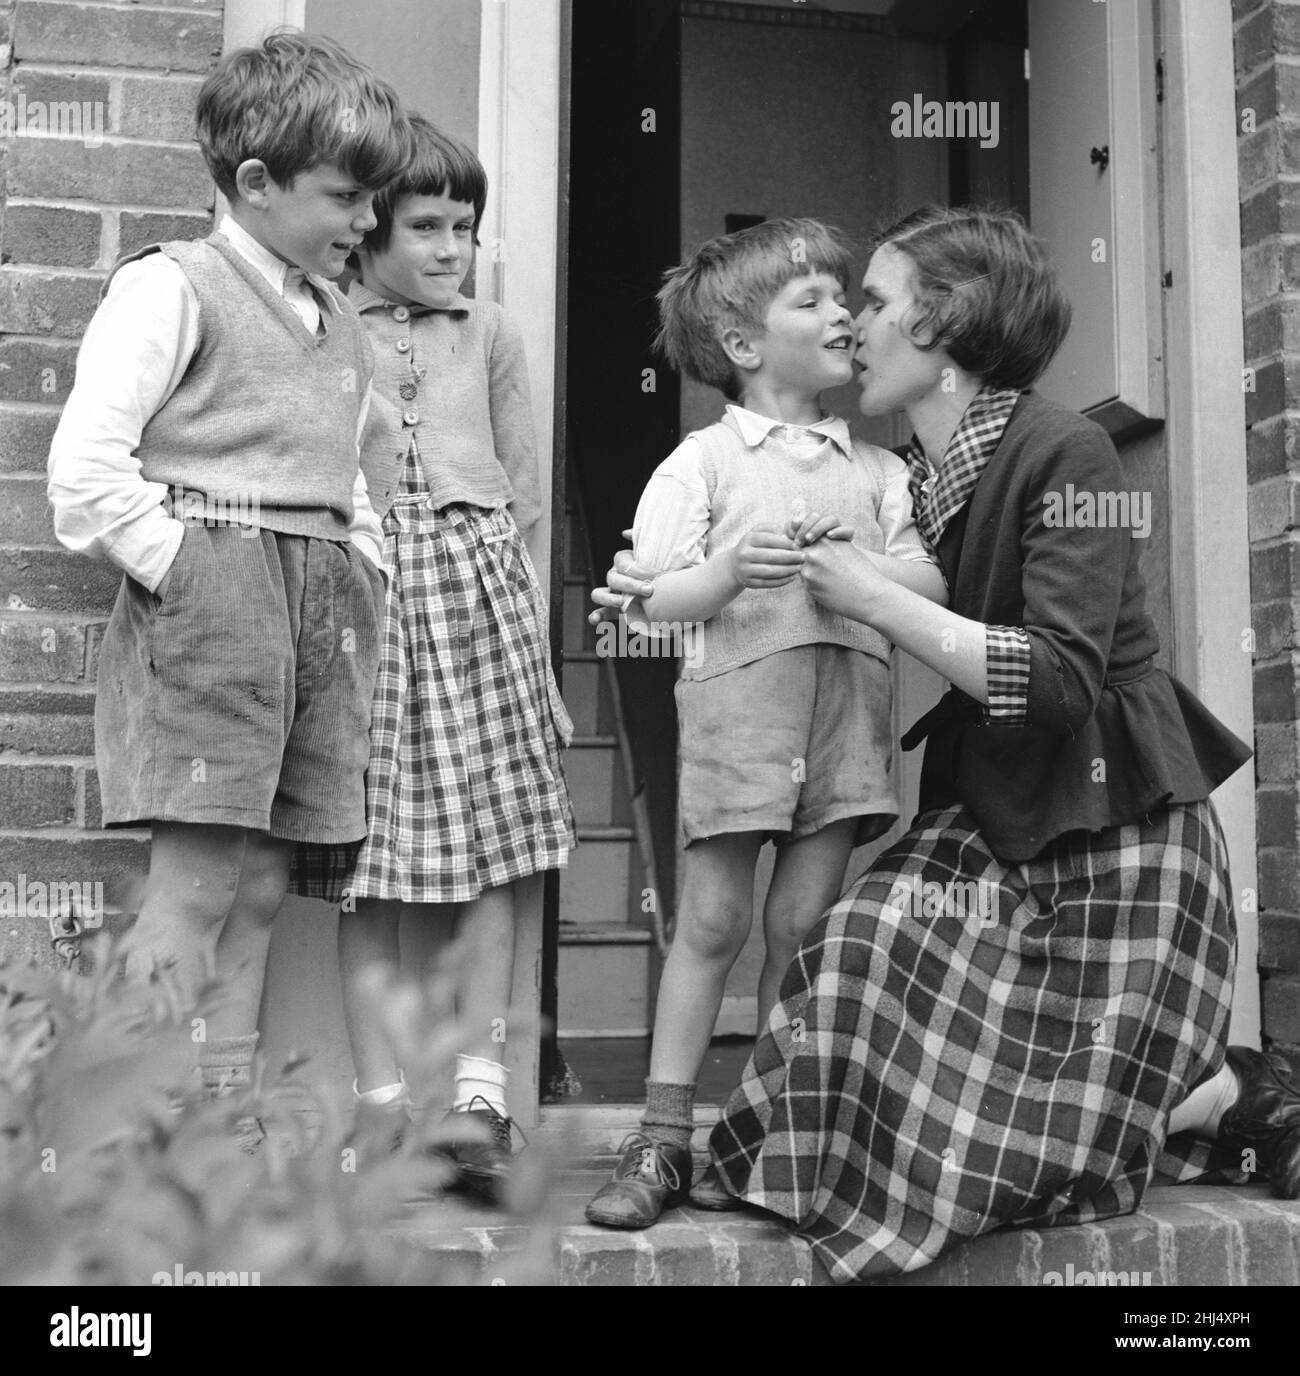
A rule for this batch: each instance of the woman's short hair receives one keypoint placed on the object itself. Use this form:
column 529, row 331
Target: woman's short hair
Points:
column 441, row 166
column 985, row 291
column 730, row 282
column 295, row 101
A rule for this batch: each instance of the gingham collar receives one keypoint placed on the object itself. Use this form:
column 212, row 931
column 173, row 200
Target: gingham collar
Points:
column 754, row 429
column 938, row 497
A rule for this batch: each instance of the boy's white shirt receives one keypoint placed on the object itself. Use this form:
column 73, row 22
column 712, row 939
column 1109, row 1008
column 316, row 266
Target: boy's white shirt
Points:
column 132, row 358
column 671, row 526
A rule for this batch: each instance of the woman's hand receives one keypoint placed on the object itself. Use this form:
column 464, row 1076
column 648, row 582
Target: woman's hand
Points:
column 626, row 578
column 842, row 578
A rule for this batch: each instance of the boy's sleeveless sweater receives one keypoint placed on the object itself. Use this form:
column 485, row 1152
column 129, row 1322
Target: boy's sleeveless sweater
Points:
column 266, row 412
column 752, row 487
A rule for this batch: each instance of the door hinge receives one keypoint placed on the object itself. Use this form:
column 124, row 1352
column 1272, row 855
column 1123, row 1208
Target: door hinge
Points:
column 1160, row 80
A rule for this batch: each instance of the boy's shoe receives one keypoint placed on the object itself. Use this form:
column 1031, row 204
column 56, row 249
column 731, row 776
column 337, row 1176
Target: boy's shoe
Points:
column 483, row 1163
column 651, row 1176
column 1265, row 1120
column 709, row 1192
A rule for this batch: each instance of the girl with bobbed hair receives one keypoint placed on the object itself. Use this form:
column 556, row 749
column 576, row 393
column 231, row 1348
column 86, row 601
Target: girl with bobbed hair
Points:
column 1019, row 1013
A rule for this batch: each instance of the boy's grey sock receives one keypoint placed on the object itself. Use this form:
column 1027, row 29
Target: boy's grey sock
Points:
column 227, row 1062
column 669, row 1113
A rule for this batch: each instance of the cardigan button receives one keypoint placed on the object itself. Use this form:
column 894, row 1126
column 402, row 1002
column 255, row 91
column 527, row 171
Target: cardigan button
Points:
column 401, row 314
column 403, row 346
column 410, row 417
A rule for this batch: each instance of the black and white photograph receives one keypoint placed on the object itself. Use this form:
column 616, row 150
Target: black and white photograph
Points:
column 649, row 643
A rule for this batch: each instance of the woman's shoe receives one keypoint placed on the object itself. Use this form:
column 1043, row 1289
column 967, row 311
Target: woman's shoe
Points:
column 1265, row 1120
column 710, row 1192
column 650, row 1177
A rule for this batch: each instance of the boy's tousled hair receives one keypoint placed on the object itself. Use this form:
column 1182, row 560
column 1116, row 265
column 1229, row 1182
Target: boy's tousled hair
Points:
column 985, row 291
column 440, row 165
column 295, row 101
column 729, row 283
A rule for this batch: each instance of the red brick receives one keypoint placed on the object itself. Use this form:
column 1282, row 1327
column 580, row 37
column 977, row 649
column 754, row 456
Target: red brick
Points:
column 1253, row 42
column 1277, row 809
column 36, row 369
column 1261, row 214
column 1275, row 569
column 1271, row 507
column 137, row 229
column 1272, row 384
column 1279, row 942
column 1279, row 879
column 159, row 107
column 1261, row 271
column 1281, row 1007
column 1263, row 332
column 1272, row 447
column 57, row 580
column 1259, row 158
column 35, row 794
column 25, row 435
column 1274, row 624
column 115, row 37
column 56, row 235
column 1275, row 695
column 36, row 648
column 130, row 173
column 1286, row 28
column 47, row 733
column 31, row 86
column 1241, row 9
column 25, row 515
column 46, row 301
column 1277, row 751
column 1260, row 94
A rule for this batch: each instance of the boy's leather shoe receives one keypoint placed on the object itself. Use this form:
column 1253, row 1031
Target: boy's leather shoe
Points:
column 651, row 1177
column 1265, row 1119
column 709, row 1192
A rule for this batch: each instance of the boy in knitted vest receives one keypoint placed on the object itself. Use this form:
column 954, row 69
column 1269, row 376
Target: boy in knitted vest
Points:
column 210, row 449
column 784, row 708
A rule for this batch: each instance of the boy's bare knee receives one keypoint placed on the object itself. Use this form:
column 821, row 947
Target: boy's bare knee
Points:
column 718, row 934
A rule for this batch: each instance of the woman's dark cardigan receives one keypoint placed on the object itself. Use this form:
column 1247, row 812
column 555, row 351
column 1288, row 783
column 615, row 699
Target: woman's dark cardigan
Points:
column 1109, row 737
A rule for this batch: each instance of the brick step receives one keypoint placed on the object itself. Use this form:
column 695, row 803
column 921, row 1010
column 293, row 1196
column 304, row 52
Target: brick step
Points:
column 26, row 517
column 1183, row 1236
column 48, row 647
column 57, row 580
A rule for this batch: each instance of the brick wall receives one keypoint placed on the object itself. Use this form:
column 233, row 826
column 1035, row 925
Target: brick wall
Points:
column 98, row 159
column 1267, row 47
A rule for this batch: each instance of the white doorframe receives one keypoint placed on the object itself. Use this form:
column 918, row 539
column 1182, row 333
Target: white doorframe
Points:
column 1206, row 427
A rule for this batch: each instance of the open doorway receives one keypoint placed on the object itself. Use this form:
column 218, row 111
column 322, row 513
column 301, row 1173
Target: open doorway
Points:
column 687, row 119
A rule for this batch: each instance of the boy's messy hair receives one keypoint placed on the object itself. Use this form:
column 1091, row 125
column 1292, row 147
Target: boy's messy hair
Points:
column 729, row 283
column 295, row 101
column 441, row 165
column 984, row 291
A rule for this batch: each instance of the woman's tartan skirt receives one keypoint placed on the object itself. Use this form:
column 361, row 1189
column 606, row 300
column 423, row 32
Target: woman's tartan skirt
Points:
column 963, row 1043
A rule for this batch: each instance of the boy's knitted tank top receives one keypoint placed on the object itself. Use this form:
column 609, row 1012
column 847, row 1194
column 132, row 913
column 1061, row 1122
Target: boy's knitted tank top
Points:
column 795, row 471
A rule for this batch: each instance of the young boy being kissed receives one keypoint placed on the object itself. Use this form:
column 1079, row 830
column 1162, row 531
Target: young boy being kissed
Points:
column 784, row 714
column 210, row 449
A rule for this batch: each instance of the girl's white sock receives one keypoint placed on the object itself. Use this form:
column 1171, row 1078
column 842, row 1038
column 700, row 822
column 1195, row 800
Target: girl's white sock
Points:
column 477, row 1077
column 384, row 1095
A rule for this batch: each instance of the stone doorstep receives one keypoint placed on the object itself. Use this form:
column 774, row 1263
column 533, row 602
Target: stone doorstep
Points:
column 1183, row 1235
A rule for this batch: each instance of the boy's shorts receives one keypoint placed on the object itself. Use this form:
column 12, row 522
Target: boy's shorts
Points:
column 787, row 745
column 242, row 696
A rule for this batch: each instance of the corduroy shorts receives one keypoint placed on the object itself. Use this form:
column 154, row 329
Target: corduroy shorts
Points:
column 241, row 697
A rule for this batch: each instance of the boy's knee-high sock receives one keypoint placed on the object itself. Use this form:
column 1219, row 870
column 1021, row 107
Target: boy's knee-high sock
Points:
column 669, row 1113
column 227, row 1062
column 479, row 1078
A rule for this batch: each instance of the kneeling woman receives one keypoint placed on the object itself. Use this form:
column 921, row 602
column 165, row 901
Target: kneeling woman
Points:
column 933, row 1070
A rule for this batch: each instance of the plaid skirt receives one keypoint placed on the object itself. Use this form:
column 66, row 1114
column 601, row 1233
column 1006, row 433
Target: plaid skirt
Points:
column 465, row 788
column 963, row 1043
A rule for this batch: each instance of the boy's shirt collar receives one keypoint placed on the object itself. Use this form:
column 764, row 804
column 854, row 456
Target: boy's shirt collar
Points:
column 275, row 270
column 754, row 429
column 364, row 299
